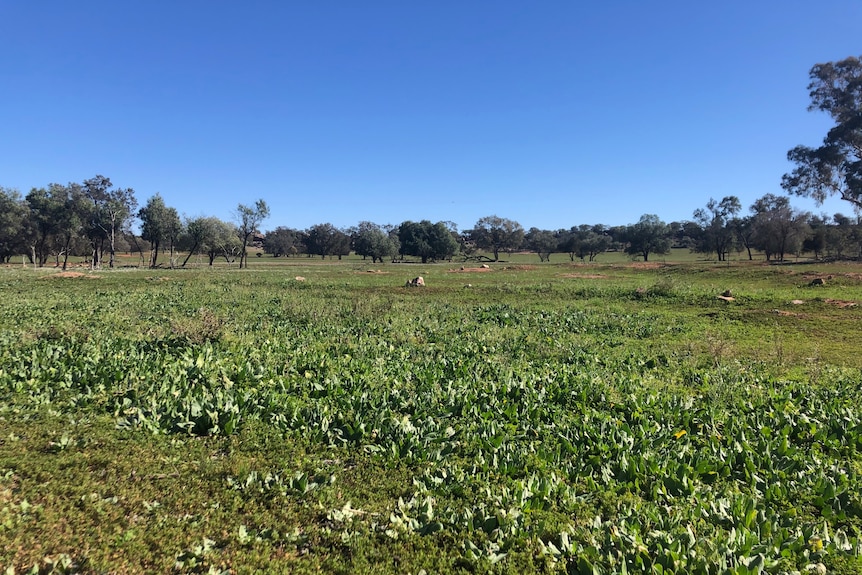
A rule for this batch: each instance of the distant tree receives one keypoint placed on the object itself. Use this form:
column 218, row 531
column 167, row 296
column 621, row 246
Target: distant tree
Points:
column 650, row 235
column 543, row 242
column 56, row 216
column 836, row 166
column 225, row 242
column 844, row 237
column 327, row 240
column 110, row 212
column 778, row 228
column 497, row 234
column 201, row 235
column 716, row 234
column 14, row 224
column 248, row 220
column 45, row 206
column 586, row 242
column 372, row 240
column 283, row 241
column 159, row 224
column 744, row 229
column 426, row 240
column 817, row 239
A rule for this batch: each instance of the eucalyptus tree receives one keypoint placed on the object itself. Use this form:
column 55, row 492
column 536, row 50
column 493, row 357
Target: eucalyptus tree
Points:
column 586, row 242
column 497, row 234
column 248, row 220
column 372, row 240
column 159, row 224
column 207, row 235
column 744, row 229
column 716, row 232
column 109, row 213
column 14, row 224
column 45, row 205
column 835, row 167
column 648, row 236
column 426, row 240
column 779, row 229
column 56, row 216
column 327, row 240
column 224, row 242
column 543, row 242
column 283, row 241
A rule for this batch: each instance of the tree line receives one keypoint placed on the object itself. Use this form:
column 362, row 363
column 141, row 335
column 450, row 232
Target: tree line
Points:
column 94, row 219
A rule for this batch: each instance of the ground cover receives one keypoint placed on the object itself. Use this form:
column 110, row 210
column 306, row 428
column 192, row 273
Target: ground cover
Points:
column 530, row 418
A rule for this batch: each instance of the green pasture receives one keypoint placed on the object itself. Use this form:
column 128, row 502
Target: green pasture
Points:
column 310, row 415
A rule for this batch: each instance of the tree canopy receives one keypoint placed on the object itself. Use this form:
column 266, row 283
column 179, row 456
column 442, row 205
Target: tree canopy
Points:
column 426, row 240
column 248, row 219
column 716, row 235
column 497, row 234
column 835, row 167
column 649, row 235
column 159, row 224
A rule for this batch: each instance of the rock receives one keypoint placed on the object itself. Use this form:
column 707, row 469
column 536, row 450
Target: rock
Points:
column 485, row 266
column 299, row 278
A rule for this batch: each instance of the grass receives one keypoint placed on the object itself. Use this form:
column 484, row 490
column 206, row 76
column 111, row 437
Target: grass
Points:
column 532, row 418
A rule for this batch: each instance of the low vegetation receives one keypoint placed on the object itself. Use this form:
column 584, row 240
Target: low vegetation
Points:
column 549, row 418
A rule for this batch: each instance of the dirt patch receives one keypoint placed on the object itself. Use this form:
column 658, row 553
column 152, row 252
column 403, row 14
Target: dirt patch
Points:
column 523, row 268
column 840, row 303
column 783, row 313
column 854, row 276
column 797, row 302
column 471, row 270
column 586, row 276
column 72, row 275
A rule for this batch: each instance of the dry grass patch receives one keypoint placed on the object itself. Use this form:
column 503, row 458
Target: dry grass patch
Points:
column 464, row 270
column 586, row 276
column 73, row 275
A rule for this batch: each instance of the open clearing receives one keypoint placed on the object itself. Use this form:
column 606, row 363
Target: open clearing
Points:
column 553, row 418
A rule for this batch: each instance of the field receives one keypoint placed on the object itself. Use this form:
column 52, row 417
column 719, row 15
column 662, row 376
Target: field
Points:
column 553, row 418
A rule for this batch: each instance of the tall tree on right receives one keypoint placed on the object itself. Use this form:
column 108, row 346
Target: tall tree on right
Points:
column 836, row 166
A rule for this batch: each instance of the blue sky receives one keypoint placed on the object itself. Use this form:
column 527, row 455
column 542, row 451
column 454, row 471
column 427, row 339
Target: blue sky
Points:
column 552, row 113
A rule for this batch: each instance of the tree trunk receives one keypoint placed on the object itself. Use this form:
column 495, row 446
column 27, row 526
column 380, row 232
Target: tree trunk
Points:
column 111, row 260
column 191, row 251
column 155, row 255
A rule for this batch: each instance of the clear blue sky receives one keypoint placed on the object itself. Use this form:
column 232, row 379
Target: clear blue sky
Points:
column 552, row 113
